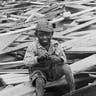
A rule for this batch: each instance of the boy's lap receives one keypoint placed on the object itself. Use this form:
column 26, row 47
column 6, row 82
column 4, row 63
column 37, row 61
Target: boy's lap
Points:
column 49, row 75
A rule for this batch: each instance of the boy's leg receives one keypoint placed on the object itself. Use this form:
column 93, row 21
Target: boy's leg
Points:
column 38, row 81
column 40, row 84
column 69, row 76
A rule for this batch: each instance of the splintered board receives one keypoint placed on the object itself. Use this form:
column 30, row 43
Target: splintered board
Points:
column 18, row 90
column 6, row 40
column 77, row 67
column 89, row 90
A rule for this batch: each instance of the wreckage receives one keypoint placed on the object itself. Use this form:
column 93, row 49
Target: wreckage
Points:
column 74, row 23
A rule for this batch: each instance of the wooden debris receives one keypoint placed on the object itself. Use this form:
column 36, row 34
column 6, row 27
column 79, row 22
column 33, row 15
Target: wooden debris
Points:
column 85, row 64
column 74, row 24
column 17, row 90
column 5, row 41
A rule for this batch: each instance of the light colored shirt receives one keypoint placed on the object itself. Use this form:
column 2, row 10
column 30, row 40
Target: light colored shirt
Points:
column 35, row 49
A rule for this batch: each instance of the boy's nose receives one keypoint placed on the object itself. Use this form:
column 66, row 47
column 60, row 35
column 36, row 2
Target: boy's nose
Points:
column 44, row 36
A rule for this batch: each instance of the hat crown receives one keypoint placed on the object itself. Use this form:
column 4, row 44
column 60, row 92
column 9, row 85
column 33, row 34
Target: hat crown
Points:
column 44, row 26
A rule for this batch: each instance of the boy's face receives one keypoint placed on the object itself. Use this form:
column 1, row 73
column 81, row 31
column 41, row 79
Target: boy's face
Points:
column 44, row 37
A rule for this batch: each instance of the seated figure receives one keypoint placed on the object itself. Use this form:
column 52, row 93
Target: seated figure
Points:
column 46, row 59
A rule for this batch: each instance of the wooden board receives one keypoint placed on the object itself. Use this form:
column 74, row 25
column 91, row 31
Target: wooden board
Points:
column 10, row 64
column 18, row 71
column 19, row 30
column 85, row 91
column 83, row 41
column 74, row 14
column 6, row 58
column 14, row 62
column 11, row 49
column 6, row 40
column 84, row 64
column 18, row 90
column 82, row 50
column 77, row 27
column 13, row 78
column 77, row 67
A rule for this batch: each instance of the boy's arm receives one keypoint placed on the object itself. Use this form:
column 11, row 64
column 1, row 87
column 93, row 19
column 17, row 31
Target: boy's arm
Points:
column 59, row 51
column 67, row 69
column 30, row 58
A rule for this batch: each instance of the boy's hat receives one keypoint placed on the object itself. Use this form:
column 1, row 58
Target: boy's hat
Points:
column 44, row 25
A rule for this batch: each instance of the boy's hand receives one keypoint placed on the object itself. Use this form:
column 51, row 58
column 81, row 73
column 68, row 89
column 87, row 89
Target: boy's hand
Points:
column 43, row 57
column 55, row 58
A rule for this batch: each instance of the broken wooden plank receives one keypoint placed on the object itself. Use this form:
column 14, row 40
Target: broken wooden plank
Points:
column 82, row 50
column 22, row 38
column 18, row 90
column 6, row 40
column 84, row 64
column 6, row 58
column 81, row 33
column 19, row 71
column 11, row 64
column 73, row 15
column 15, row 80
column 34, row 14
column 84, row 41
column 18, row 16
column 19, row 30
column 77, row 6
column 77, row 27
column 77, row 67
column 88, row 90
column 12, row 49
column 75, row 2
column 14, row 62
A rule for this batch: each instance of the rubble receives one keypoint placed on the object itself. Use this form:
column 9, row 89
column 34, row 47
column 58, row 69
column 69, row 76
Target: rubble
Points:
column 74, row 23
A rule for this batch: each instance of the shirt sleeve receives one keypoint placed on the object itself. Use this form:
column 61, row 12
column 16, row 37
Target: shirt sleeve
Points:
column 30, row 58
column 60, row 52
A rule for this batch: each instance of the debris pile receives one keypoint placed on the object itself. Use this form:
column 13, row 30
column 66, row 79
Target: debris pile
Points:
column 74, row 23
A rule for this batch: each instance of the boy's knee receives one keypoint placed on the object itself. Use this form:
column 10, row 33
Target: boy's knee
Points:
column 40, row 82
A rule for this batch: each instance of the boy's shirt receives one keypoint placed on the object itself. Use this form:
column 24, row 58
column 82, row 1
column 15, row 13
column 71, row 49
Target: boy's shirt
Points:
column 35, row 49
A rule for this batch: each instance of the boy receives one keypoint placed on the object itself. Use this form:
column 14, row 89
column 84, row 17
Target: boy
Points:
column 46, row 59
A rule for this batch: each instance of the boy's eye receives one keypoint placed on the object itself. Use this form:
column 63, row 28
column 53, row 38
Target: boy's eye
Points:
column 44, row 34
column 48, row 34
column 40, row 34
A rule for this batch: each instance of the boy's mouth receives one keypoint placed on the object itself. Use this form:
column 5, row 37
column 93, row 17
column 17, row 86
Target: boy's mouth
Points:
column 45, row 40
